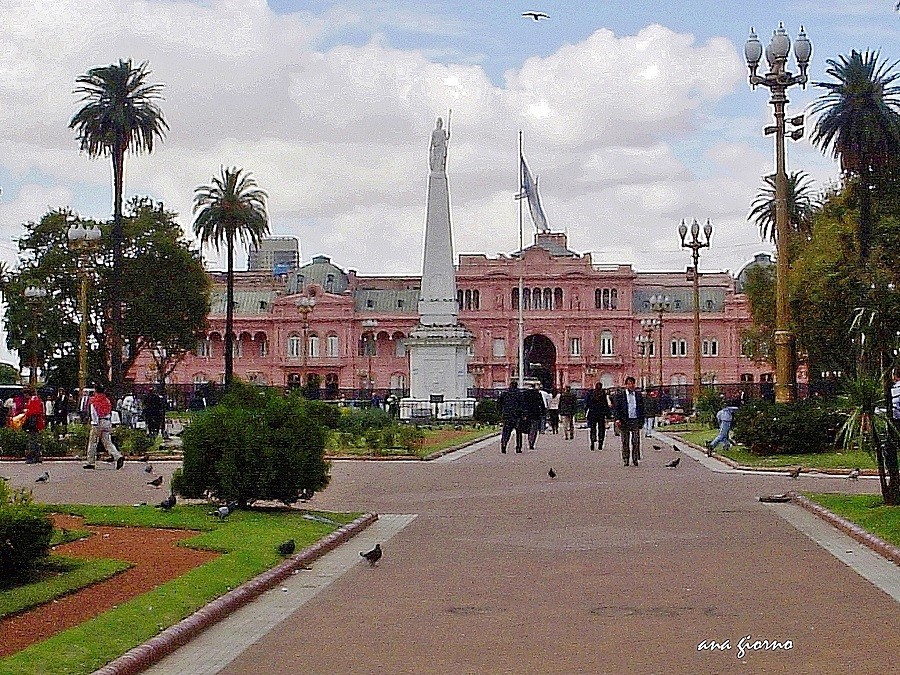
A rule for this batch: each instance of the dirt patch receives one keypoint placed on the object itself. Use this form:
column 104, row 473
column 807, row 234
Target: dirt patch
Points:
column 156, row 557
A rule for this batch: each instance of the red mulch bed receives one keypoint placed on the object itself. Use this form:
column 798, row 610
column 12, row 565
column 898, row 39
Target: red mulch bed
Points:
column 156, row 558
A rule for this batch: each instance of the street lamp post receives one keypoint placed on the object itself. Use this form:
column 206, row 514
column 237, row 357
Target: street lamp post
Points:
column 642, row 342
column 660, row 304
column 695, row 245
column 370, row 347
column 83, row 240
column 305, row 306
column 649, row 326
column 777, row 80
column 34, row 297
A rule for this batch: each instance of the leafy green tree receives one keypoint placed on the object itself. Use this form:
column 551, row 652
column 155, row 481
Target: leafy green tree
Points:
column 8, row 374
column 759, row 338
column 231, row 207
column 120, row 114
column 801, row 204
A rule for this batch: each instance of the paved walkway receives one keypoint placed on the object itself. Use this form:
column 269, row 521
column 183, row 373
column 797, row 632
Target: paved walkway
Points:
column 605, row 569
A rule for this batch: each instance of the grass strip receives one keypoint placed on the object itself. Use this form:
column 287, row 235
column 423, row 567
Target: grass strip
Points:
column 440, row 439
column 839, row 459
column 58, row 576
column 867, row 511
column 247, row 541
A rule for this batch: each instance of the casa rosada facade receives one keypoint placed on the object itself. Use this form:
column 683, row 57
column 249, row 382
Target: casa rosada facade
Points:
column 582, row 325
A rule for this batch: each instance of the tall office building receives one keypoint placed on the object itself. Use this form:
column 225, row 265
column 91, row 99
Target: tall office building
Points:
column 278, row 255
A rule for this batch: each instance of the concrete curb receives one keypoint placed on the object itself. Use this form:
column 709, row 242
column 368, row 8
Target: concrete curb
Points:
column 447, row 451
column 143, row 656
column 880, row 546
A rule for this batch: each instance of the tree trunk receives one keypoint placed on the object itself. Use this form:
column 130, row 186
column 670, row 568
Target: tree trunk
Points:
column 115, row 291
column 229, row 313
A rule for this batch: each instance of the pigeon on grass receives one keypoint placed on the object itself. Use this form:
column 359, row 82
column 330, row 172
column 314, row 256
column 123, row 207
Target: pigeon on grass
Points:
column 221, row 513
column 167, row 503
column 372, row 556
column 287, row 547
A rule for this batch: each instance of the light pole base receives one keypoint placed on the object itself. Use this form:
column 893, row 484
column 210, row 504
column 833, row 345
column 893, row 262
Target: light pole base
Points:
column 785, row 367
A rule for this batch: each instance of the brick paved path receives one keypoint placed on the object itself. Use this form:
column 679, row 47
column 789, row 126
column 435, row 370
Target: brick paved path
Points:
column 605, row 569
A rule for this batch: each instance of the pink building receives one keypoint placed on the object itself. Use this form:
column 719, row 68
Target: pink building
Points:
column 582, row 324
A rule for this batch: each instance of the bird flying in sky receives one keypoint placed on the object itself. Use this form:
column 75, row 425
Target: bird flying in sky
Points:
column 537, row 16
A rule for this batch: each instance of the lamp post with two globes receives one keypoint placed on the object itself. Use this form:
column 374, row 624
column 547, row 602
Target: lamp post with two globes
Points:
column 34, row 298
column 695, row 245
column 660, row 304
column 84, row 240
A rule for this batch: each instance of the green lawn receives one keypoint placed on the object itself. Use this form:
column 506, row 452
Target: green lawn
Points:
column 867, row 511
column 57, row 576
column 435, row 439
column 247, row 541
column 824, row 460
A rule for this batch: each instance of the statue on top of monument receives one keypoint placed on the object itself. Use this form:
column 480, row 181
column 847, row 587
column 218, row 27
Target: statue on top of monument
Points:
column 437, row 153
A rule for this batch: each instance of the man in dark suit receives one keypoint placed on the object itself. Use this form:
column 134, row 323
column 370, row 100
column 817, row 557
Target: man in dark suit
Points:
column 629, row 414
column 511, row 411
column 534, row 411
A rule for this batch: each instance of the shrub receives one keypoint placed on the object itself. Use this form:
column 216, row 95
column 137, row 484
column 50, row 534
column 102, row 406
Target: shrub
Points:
column 409, row 437
column 804, row 427
column 24, row 539
column 358, row 421
column 271, row 449
column 13, row 443
column 132, row 441
column 708, row 405
column 487, row 411
column 326, row 414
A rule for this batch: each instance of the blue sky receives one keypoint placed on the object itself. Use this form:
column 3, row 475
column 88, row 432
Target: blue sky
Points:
column 635, row 115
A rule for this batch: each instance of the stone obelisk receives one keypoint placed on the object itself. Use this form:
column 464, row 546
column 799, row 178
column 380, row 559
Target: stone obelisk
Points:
column 438, row 347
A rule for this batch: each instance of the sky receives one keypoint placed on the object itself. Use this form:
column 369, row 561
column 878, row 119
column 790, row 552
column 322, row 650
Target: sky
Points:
column 634, row 116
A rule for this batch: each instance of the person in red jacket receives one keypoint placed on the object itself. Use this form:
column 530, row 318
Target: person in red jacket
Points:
column 34, row 423
column 101, row 424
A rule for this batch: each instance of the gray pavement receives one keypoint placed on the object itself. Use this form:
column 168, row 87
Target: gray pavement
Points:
column 605, row 569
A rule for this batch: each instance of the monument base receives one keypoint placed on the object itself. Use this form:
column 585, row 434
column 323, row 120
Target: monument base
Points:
column 424, row 410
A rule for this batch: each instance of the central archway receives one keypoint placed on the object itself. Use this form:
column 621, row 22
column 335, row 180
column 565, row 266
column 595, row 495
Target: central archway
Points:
column 540, row 359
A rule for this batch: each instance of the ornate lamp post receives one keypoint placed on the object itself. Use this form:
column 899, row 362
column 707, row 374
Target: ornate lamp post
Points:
column 642, row 341
column 777, row 80
column 695, row 245
column 34, row 298
column 305, row 306
column 370, row 323
column 660, row 304
column 83, row 240
column 649, row 326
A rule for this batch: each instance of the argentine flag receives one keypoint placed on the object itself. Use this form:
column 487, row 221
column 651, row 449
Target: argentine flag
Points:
column 530, row 192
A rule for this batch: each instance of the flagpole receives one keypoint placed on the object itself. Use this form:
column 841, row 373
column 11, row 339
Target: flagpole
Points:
column 521, row 272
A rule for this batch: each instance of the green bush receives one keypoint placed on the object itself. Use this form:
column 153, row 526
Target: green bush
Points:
column 24, row 540
column 408, row 437
column 132, row 441
column 326, row 414
column 708, row 404
column 358, row 421
column 804, row 427
column 13, row 443
column 271, row 449
column 487, row 411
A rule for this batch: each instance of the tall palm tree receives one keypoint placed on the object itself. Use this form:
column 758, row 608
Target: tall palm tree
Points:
column 860, row 124
column 801, row 204
column 230, row 208
column 119, row 114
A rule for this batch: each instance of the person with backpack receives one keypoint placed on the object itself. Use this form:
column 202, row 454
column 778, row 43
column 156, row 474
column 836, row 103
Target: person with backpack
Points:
column 101, row 425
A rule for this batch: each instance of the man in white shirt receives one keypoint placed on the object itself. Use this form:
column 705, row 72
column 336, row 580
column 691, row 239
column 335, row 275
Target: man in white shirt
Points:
column 628, row 411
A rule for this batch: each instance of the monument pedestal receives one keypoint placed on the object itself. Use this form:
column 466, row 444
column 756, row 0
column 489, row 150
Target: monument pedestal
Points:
column 438, row 368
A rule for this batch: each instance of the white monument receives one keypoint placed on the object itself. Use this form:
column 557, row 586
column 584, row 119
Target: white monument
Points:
column 438, row 347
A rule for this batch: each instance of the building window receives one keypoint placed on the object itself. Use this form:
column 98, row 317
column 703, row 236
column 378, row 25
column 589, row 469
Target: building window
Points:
column 459, row 299
column 204, row 348
column 329, row 283
column 294, row 346
column 313, row 346
column 237, row 348
column 548, row 298
column 537, row 301
column 606, row 344
column 263, row 348
column 332, row 346
column 499, row 348
column 399, row 347
column 476, row 299
column 613, row 299
column 710, row 348
column 679, row 347
column 515, row 298
column 557, row 298
column 767, row 377
column 677, row 304
column 367, row 345
column 200, row 378
column 575, row 346
column 398, row 382
column 598, row 299
column 370, row 303
column 746, row 377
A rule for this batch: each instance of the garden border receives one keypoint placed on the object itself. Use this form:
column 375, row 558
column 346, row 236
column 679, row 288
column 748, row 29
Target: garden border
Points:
column 851, row 529
column 143, row 656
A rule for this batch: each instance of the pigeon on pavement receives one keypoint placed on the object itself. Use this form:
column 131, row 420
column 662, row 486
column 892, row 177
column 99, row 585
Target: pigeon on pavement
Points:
column 372, row 556
column 795, row 473
column 853, row 475
column 551, row 473
column 657, row 447
column 167, row 503
column 43, row 478
column 775, row 499
column 148, row 468
column 156, row 482
column 676, row 448
column 673, row 463
column 287, row 547
column 144, row 458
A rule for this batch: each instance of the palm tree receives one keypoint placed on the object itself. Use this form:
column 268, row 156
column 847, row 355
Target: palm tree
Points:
column 231, row 207
column 860, row 123
column 120, row 114
column 801, row 203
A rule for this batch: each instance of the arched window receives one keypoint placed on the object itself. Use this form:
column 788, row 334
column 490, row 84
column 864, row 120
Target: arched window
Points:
column 476, row 299
column 526, row 298
column 606, row 344
column 598, row 299
column 548, row 298
column 679, row 346
column 537, row 301
column 605, row 298
column 294, row 346
column 399, row 347
column 710, row 348
column 613, row 299
column 746, row 377
column 468, row 299
column 332, row 346
column 515, row 298
column 204, row 348
column 557, row 298
column 263, row 347
column 367, row 344
column 313, row 348
column 459, row 299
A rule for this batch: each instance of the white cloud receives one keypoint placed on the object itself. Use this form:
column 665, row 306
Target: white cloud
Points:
column 338, row 136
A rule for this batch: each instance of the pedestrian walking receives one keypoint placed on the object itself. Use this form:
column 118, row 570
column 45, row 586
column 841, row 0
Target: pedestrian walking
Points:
column 534, row 411
column 154, row 414
column 597, row 409
column 101, row 425
column 725, row 418
column 628, row 410
column 568, row 404
column 545, row 396
column 553, row 410
column 511, row 416
column 34, row 423
column 651, row 410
